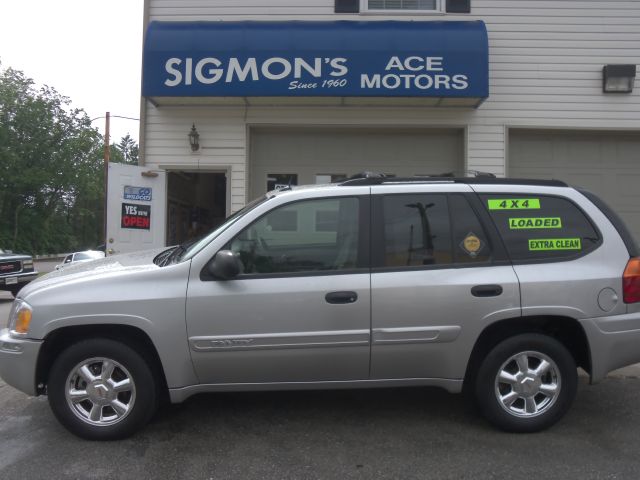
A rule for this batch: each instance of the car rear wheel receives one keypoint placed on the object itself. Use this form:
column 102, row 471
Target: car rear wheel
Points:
column 102, row 389
column 526, row 383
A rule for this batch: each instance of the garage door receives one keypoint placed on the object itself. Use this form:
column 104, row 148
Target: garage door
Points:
column 315, row 155
column 605, row 163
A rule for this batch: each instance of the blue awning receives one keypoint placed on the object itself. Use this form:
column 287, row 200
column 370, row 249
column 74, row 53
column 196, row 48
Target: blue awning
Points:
column 437, row 59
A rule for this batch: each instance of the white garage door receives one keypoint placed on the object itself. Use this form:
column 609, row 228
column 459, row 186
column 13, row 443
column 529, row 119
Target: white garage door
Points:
column 608, row 164
column 316, row 154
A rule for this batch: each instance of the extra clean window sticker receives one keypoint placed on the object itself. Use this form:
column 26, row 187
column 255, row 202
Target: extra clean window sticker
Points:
column 471, row 244
column 546, row 244
column 531, row 223
column 514, row 204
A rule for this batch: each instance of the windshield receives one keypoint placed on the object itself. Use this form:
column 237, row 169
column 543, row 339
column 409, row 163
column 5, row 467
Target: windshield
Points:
column 195, row 247
column 89, row 255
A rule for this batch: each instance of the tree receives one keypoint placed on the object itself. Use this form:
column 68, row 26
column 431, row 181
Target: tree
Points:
column 51, row 175
column 128, row 150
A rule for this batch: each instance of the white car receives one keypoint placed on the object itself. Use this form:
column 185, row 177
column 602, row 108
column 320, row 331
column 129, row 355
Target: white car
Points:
column 80, row 257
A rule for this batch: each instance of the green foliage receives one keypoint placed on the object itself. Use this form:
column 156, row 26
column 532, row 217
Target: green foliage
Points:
column 126, row 151
column 51, row 170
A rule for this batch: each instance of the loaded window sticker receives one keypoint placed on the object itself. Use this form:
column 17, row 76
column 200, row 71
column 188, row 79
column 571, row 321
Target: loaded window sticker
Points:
column 534, row 223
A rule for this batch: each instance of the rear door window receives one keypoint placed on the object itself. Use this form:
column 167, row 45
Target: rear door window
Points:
column 417, row 231
column 541, row 227
column 423, row 230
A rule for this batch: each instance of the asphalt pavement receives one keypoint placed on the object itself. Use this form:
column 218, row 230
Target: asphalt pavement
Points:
column 417, row 433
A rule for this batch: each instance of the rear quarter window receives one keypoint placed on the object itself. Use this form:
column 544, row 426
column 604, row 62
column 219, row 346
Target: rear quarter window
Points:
column 541, row 227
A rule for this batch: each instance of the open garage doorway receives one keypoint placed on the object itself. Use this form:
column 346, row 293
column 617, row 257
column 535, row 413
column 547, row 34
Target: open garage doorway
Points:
column 196, row 204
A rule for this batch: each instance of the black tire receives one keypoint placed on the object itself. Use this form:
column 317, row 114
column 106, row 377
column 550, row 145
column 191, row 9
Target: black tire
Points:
column 142, row 399
column 531, row 411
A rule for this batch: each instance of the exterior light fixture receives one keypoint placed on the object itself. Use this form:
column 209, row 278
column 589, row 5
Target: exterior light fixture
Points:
column 194, row 139
column 618, row 78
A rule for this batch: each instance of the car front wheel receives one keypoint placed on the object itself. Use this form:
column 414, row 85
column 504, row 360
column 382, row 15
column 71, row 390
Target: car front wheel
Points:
column 102, row 389
column 526, row 383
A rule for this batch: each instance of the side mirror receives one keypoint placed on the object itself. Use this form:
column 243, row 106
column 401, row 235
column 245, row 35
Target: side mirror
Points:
column 225, row 265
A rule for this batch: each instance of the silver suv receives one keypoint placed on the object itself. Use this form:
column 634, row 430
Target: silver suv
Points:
column 496, row 286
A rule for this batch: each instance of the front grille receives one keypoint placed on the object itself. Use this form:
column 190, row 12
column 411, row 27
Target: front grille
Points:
column 10, row 267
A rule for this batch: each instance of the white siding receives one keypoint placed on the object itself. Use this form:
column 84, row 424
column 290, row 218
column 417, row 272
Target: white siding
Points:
column 222, row 143
column 546, row 60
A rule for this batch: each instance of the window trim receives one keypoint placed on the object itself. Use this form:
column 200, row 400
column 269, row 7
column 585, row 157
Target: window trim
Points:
column 498, row 253
column 364, row 248
column 536, row 261
column 439, row 10
column 498, row 248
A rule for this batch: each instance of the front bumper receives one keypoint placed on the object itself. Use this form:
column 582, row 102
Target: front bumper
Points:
column 614, row 343
column 18, row 359
column 20, row 279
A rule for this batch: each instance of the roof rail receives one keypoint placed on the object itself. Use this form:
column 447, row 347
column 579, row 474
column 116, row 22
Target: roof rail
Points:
column 366, row 174
column 371, row 178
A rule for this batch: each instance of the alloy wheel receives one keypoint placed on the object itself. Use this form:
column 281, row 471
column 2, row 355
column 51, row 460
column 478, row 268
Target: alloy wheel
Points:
column 100, row 391
column 528, row 384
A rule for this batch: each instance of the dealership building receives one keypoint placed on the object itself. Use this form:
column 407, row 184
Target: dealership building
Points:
column 240, row 96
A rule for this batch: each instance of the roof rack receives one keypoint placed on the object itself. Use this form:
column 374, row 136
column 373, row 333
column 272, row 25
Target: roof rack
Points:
column 373, row 178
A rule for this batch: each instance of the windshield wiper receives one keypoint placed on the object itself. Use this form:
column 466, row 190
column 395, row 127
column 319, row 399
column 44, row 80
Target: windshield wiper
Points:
column 174, row 256
column 169, row 256
column 162, row 256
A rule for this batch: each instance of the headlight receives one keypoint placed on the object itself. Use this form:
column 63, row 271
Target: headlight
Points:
column 27, row 265
column 20, row 317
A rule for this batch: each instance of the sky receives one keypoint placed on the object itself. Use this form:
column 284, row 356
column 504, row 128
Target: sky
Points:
column 88, row 50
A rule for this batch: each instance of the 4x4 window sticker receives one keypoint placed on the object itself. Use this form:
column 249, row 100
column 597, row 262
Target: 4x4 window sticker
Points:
column 513, row 204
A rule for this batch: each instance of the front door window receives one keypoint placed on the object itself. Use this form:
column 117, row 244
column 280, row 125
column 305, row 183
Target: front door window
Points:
column 308, row 236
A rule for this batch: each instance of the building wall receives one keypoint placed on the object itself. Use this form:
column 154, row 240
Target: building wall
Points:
column 546, row 60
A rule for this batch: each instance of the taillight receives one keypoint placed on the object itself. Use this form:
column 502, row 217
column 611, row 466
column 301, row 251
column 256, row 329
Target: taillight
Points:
column 631, row 281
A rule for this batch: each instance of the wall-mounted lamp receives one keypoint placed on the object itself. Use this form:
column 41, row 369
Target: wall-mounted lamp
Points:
column 618, row 78
column 194, row 139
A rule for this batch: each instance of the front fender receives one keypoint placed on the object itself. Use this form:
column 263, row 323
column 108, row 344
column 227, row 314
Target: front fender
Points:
column 173, row 353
